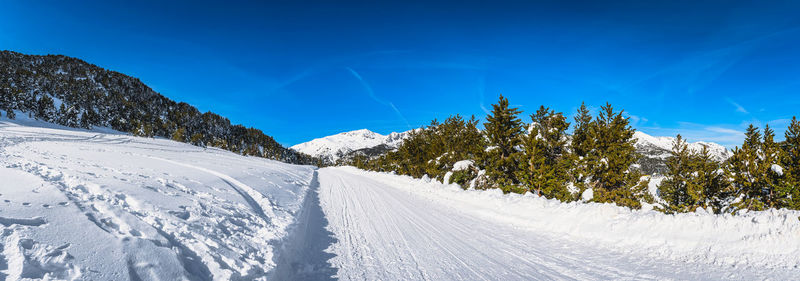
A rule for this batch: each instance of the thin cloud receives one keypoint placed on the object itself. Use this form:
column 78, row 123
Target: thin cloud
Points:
column 724, row 130
column 635, row 119
column 375, row 98
column 738, row 107
column 481, row 94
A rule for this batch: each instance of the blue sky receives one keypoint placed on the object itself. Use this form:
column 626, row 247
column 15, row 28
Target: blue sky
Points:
column 300, row 70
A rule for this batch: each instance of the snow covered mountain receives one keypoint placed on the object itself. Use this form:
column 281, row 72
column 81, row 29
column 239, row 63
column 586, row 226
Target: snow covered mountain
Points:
column 338, row 146
column 656, row 150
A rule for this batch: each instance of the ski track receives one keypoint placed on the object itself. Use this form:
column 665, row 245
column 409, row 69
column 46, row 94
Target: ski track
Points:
column 389, row 233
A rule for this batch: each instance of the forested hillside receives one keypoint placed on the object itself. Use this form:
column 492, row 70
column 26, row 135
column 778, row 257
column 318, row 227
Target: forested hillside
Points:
column 74, row 93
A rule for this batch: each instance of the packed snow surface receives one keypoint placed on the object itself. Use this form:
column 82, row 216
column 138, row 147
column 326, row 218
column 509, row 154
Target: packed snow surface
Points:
column 392, row 227
column 335, row 146
column 88, row 205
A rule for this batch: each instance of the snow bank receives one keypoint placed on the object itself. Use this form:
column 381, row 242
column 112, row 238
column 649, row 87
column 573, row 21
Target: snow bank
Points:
column 769, row 238
column 108, row 206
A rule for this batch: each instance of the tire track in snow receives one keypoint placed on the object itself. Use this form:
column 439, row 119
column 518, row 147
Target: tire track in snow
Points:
column 302, row 255
column 257, row 201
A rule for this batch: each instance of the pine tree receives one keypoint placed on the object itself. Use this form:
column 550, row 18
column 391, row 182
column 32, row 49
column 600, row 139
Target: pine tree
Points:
column 707, row 181
column 674, row 188
column 744, row 170
column 582, row 140
column 179, row 135
column 771, row 178
column 693, row 179
column 610, row 160
column 45, row 110
column 503, row 130
column 582, row 143
column 545, row 163
column 791, row 165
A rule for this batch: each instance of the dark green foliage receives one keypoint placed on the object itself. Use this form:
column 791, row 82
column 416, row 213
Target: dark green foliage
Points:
column 45, row 110
column 693, row 180
column 610, row 159
column 545, row 162
column 503, row 130
column 432, row 150
column 743, row 169
column 791, row 165
column 582, row 144
column 600, row 156
column 463, row 177
column 674, row 189
column 90, row 96
column 708, row 182
column 773, row 182
column 754, row 179
column 582, row 139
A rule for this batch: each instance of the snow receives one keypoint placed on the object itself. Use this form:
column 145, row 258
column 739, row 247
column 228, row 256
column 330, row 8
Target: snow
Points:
column 652, row 188
column 335, row 146
column 99, row 205
column 587, row 194
column 462, row 165
column 446, row 178
column 397, row 227
column 777, row 169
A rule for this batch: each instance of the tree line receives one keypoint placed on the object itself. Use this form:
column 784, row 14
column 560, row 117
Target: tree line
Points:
column 541, row 157
column 761, row 174
column 73, row 93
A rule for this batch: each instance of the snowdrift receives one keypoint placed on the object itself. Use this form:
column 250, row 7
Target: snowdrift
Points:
column 765, row 239
column 99, row 205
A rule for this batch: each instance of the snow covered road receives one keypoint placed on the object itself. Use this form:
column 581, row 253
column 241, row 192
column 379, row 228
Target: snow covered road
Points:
column 388, row 231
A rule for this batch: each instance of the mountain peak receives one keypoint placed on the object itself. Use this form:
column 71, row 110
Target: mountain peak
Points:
column 332, row 148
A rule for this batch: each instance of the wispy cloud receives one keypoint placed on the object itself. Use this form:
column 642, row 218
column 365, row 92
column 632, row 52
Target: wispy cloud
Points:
column 738, row 107
column 635, row 120
column 482, row 94
column 371, row 94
